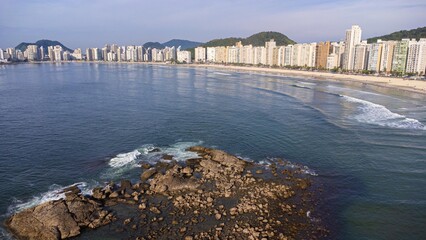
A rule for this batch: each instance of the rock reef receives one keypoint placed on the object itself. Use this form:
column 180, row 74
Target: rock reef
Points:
column 215, row 196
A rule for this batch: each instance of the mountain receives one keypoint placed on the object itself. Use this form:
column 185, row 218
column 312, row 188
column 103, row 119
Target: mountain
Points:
column 42, row 43
column 257, row 39
column 413, row 33
column 156, row 45
column 185, row 44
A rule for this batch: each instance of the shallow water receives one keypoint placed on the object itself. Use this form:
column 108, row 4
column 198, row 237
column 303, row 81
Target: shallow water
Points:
column 89, row 123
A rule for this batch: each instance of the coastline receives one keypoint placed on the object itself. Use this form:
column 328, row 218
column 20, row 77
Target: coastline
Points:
column 413, row 86
column 416, row 86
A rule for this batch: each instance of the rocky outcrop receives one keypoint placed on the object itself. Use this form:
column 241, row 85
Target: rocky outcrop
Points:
column 59, row 219
column 215, row 196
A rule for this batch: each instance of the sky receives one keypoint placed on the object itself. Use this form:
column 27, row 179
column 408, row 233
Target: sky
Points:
column 93, row 23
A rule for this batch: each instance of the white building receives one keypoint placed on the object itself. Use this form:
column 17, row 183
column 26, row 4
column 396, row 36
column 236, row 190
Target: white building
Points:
column 416, row 58
column 332, row 61
column 288, row 55
column 32, row 53
column 2, row 54
column 211, row 54
column 89, row 54
column 77, row 54
column 387, row 55
column 200, row 54
column 353, row 38
column 374, row 57
column 58, row 52
column 360, row 59
column 270, row 51
column 183, row 56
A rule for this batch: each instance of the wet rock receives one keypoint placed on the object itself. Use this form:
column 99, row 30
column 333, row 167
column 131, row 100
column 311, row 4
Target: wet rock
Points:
column 148, row 174
column 58, row 219
column 167, row 157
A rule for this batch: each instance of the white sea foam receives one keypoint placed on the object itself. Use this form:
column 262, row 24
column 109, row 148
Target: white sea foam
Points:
column 55, row 192
column 178, row 150
column 377, row 114
column 307, row 83
column 124, row 158
column 222, row 73
column 148, row 153
column 303, row 169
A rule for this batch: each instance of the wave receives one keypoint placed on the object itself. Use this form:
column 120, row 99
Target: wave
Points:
column 300, row 86
column 148, row 153
column 287, row 164
column 222, row 73
column 377, row 114
column 55, row 192
column 124, row 158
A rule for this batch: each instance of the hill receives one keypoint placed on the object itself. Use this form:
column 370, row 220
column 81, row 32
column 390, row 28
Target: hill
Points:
column 156, row 45
column 257, row 39
column 42, row 43
column 413, row 33
column 185, row 44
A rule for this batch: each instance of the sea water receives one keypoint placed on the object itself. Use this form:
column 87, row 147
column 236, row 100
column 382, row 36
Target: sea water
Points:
column 88, row 124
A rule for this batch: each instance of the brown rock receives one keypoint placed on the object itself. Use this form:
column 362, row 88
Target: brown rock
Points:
column 58, row 219
column 148, row 174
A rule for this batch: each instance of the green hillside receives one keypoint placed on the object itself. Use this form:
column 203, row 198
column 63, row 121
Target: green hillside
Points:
column 44, row 43
column 413, row 33
column 257, row 39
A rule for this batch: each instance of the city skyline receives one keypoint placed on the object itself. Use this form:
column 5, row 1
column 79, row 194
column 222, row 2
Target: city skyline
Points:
column 136, row 22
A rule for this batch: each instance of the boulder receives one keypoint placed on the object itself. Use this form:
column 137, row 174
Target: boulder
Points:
column 147, row 174
column 58, row 219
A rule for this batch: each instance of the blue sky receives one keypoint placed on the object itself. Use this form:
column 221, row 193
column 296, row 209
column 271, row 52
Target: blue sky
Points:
column 92, row 23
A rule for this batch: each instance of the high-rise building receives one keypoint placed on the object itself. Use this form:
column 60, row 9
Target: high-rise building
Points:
column 281, row 56
column 77, row 54
column 288, row 55
column 270, row 46
column 31, row 53
column 211, row 54
column 89, row 54
column 2, row 54
column 323, row 50
column 183, row 56
column 353, row 38
column 12, row 53
column 399, row 60
column 374, row 56
column 332, row 61
column 51, row 53
column 360, row 59
column 388, row 48
column 200, row 54
column 41, row 52
column 416, row 58
column 221, row 54
column 58, row 53
column 233, row 54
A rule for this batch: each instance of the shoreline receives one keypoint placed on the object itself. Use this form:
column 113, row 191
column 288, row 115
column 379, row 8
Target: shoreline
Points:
column 413, row 86
column 416, row 86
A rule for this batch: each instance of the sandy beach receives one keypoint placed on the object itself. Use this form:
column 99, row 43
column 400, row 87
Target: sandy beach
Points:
column 417, row 86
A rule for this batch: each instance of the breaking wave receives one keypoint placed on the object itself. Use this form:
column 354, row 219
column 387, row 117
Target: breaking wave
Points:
column 289, row 165
column 148, row 153
column 377, row 114
column 55, row 192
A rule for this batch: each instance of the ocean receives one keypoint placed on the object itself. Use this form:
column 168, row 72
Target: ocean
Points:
column 87, row 123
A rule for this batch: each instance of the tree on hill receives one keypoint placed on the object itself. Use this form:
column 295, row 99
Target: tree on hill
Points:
column 257, row 39
column 397, row 36
column 42, row 43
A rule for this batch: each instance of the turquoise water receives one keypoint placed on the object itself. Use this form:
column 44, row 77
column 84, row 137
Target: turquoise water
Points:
column 89, row 123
